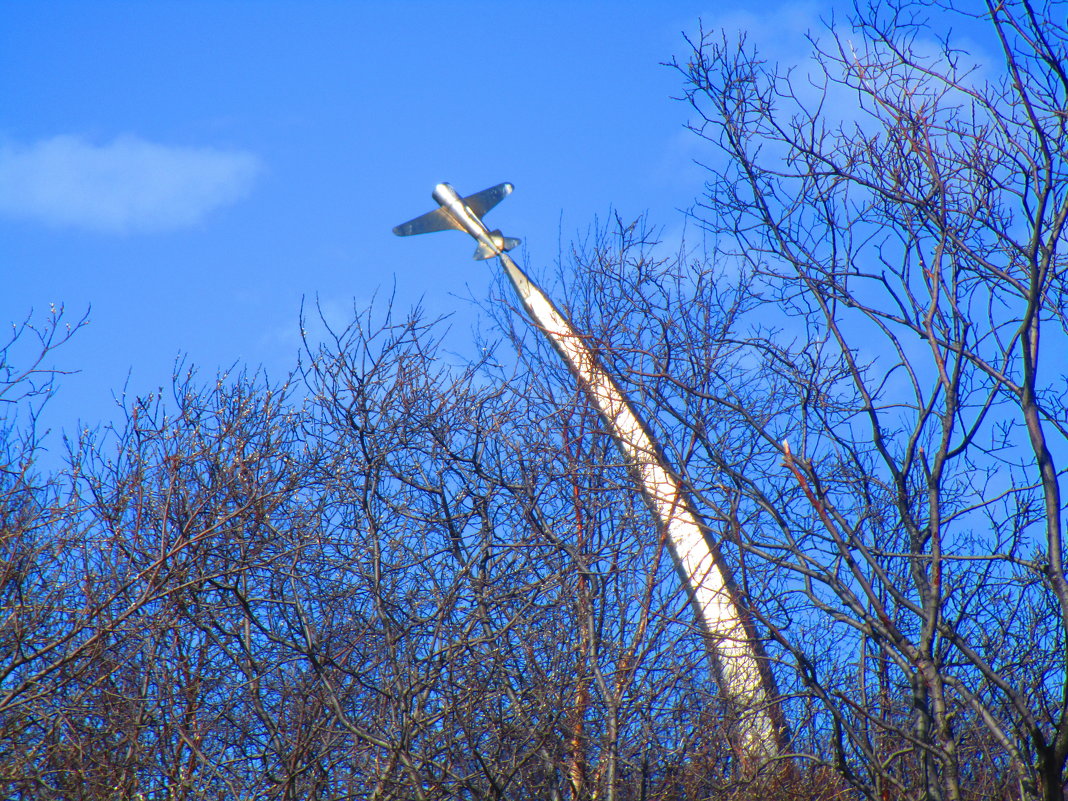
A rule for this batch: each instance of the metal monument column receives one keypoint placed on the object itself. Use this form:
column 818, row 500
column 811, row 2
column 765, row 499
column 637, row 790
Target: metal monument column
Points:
column 737, row 659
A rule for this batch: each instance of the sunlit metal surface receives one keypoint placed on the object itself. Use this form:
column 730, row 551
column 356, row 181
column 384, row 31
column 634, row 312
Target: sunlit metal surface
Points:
column 735, row 653
column 464, row 214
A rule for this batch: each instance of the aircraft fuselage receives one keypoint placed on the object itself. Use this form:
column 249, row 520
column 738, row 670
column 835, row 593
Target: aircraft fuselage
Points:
column 466, row 219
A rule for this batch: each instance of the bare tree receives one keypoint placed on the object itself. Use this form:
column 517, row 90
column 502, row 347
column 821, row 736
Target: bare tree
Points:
column 403, row 577
column 533, row 639
column 881, row 426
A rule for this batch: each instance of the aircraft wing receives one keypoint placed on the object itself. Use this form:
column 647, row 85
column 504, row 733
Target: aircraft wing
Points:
column 485, row 200
column 437, row 220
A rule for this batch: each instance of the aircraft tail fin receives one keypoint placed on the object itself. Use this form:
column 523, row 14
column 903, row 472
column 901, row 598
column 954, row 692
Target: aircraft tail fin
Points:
column 502, row 243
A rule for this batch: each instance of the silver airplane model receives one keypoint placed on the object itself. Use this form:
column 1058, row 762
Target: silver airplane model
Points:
column 464, row 214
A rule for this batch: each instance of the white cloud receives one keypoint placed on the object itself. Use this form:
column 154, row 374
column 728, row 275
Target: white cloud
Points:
column 126, row 185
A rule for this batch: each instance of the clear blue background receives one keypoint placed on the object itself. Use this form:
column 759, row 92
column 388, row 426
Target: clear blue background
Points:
column 353, row 111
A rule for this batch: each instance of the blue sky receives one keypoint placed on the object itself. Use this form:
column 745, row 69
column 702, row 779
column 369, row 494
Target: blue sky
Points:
column 193, row 170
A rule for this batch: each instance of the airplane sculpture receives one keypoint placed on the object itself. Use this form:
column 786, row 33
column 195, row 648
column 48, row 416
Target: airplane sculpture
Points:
column 738, row 662
column 464, row 214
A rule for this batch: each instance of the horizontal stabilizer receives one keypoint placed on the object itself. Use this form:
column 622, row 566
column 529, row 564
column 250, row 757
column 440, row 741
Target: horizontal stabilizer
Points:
column 483, row 251
column 437, row 220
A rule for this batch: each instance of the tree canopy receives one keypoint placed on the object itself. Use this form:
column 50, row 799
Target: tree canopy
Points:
column 395, row 576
